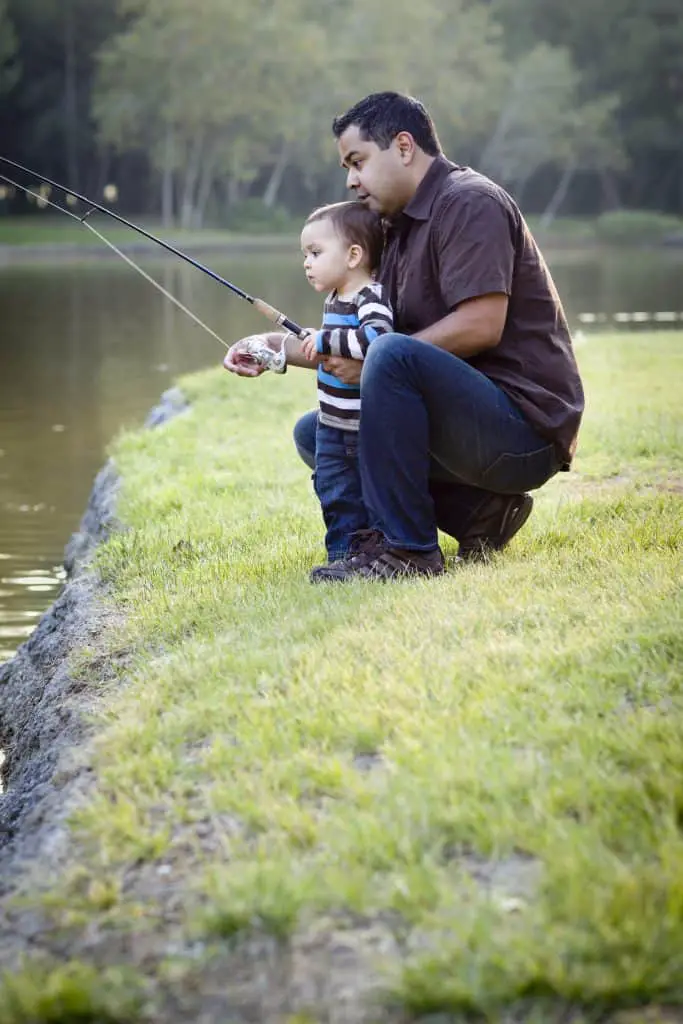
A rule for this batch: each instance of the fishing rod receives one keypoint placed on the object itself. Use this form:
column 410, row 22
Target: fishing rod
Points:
column 270, row 312
column 129, row 261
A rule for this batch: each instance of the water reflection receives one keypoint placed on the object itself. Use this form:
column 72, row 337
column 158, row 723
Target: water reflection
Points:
column 87, row 348
column 24, row 592
column 641, row 317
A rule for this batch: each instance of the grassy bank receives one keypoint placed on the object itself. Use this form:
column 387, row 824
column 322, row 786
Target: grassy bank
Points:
column 51, row 231
column 463, row 795
column 623, row 228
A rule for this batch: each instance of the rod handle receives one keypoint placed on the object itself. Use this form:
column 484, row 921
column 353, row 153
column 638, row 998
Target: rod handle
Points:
column 276, row 317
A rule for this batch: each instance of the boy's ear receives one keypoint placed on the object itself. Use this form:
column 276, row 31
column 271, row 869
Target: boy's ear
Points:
column 355, row 256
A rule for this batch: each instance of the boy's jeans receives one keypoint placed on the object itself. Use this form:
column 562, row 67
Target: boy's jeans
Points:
column 336, row 479
column 437, row 437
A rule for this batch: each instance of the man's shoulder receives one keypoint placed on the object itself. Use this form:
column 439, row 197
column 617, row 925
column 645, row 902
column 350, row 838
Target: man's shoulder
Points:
column 465, row 186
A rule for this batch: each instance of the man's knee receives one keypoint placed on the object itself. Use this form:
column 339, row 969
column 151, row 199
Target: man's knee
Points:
column 385, row 353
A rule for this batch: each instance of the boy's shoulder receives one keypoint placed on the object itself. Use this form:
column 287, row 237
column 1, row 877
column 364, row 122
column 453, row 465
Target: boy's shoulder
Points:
column 371, row 292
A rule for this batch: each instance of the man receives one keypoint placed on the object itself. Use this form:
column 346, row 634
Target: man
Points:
column 477, row 398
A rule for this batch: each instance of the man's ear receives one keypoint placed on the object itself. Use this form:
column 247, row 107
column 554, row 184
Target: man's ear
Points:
column 355, row 256
column 406, row 147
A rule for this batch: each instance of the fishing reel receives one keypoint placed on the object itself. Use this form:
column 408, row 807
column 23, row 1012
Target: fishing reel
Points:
column 263, row 354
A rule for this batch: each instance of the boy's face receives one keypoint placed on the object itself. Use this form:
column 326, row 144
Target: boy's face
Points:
column 327, row 257
column 379, row 177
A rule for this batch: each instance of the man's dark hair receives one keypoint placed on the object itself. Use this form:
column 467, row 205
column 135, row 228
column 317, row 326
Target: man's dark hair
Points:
column 357, row 225
column 382, row 115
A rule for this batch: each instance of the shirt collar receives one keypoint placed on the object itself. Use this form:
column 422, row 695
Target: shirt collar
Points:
column 420, row 206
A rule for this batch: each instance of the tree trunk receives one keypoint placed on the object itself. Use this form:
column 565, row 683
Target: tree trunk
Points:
column 97, row 180
column 167, row 179
column 558, row 197
column 70, row 96
column 519, row 187
column 275, row 180
column 490, row 154
column 234, row 190
column 187, row 203
column 204, row 190
column 610, row 191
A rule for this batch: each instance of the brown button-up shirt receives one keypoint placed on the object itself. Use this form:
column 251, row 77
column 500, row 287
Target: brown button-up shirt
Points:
column 462, row 236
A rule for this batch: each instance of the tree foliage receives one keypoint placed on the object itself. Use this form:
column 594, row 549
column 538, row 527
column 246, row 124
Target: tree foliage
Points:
column 9, row 68
column 196, row 108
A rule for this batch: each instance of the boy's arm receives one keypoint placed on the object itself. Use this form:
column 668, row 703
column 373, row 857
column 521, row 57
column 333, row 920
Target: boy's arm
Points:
column 375, row 318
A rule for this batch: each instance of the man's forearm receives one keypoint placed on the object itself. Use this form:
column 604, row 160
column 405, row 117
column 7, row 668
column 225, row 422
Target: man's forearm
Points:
column 473, row 328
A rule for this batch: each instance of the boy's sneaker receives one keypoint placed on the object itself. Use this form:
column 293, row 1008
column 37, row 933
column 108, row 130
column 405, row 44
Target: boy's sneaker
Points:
column 371, row 558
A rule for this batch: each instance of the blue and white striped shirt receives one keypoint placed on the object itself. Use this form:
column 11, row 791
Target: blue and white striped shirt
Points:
column 349, row 326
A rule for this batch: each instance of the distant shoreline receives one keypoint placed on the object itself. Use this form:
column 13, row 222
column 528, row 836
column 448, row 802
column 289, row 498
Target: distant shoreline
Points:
column 29, row 252
column 14, row 253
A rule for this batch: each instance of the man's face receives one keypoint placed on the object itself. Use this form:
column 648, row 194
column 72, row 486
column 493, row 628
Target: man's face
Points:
column 378, row 177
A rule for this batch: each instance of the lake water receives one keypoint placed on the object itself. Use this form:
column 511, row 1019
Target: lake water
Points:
column 86, row 348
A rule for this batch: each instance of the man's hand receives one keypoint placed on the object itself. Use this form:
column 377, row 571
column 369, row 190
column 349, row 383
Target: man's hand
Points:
column 308, row 346
column 240, row 361
column 347, row 370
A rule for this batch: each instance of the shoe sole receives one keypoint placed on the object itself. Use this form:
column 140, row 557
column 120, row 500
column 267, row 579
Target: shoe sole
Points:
column 328, row 574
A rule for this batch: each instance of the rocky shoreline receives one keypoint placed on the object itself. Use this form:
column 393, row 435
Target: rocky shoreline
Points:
column 48, row 774
column 42, row 727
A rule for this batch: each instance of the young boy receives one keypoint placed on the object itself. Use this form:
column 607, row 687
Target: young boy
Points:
column 342, row 245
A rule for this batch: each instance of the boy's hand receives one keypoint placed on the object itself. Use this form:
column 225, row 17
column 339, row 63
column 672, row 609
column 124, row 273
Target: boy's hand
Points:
column 309, row 348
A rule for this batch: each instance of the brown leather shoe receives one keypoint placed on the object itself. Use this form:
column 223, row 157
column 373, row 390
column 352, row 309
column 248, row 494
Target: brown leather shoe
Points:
column 375, row 560
column 494, row 526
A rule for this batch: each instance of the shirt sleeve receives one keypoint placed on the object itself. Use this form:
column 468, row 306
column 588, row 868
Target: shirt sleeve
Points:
column 375, row 317
column 475, row 248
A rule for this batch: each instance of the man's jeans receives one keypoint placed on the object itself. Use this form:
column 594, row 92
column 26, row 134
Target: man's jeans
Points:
column 338, row 485
column 436, row 438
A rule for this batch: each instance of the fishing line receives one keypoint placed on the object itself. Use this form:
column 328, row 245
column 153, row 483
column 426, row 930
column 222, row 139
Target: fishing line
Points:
column 270, row 312
column 129, row 261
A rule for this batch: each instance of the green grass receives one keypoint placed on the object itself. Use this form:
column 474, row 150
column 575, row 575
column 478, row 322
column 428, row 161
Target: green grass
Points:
column 76, row 993
column 50, row 229
column 489, row 764
column 620, row 228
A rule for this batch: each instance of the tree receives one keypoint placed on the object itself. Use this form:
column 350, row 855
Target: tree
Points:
column 544, row 122
column 626, row 48
column 448, row 55
column 9, row 67
column 450, row 58
column 204, row 96
column 47, row 111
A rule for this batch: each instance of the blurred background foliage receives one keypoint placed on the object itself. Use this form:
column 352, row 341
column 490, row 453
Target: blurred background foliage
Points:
column 218, row 112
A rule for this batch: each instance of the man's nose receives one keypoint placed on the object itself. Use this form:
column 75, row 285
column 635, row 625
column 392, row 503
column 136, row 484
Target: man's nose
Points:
column 352, row 178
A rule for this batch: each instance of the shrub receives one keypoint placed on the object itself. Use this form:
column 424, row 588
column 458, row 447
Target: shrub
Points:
column 636, row 227
column 252, row 216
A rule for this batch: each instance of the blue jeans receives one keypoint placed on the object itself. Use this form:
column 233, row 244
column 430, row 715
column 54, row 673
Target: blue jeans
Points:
column 336, row 479
column 437, row 438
